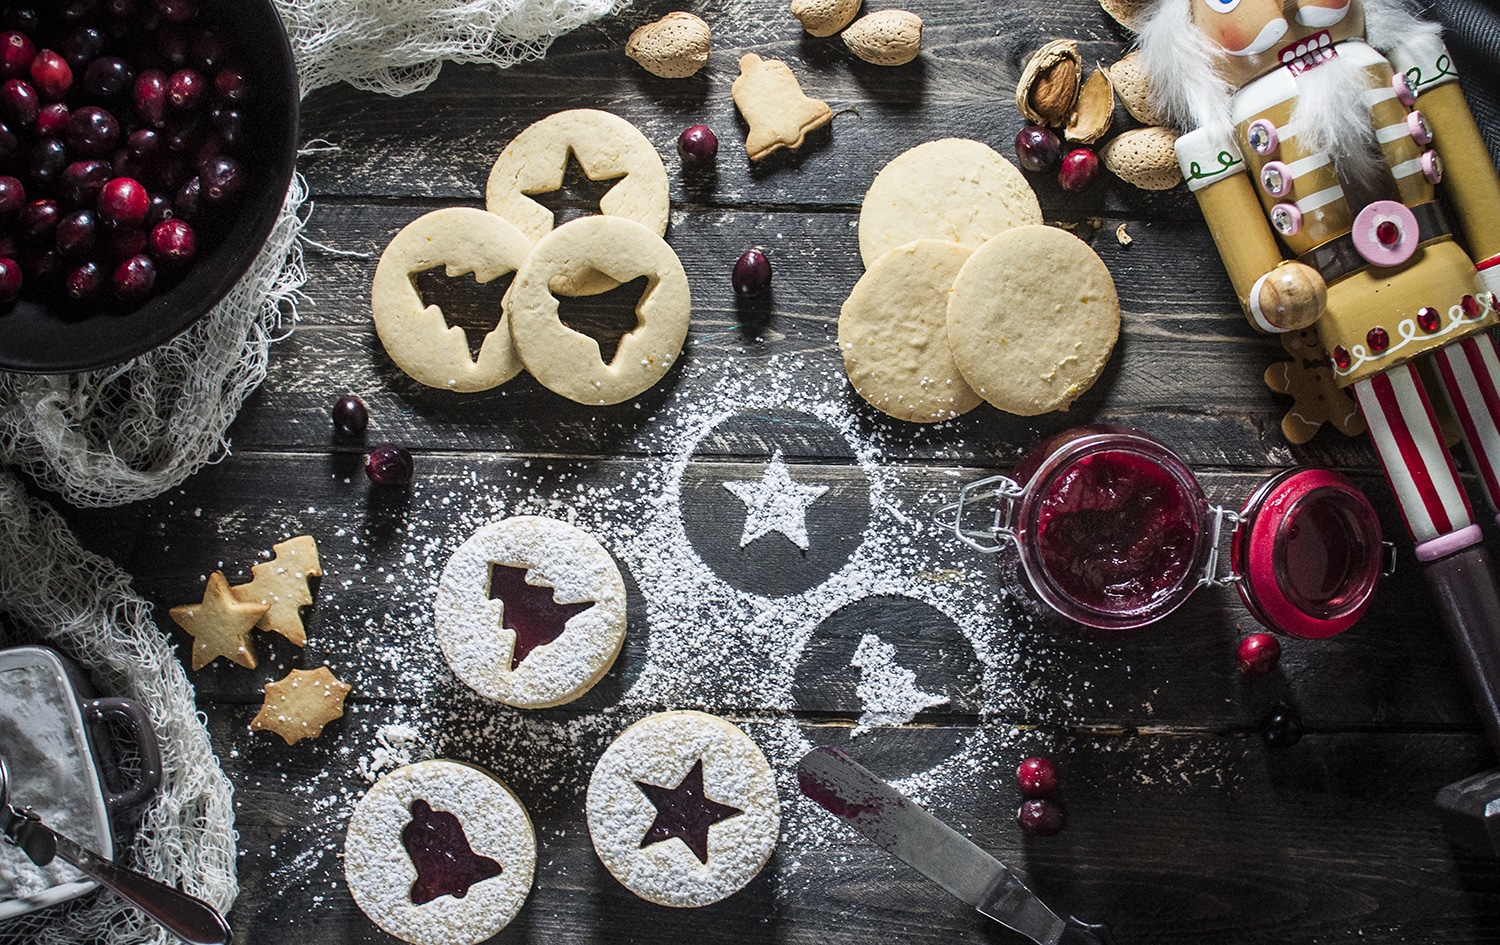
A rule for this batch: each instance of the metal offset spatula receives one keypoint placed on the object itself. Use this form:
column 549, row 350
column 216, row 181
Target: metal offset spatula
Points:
column 192, row 920
column 900, row 827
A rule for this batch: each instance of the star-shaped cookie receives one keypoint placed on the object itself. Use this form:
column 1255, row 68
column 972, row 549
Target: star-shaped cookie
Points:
column 281, row 584
column 299, row 705
column 221, row 625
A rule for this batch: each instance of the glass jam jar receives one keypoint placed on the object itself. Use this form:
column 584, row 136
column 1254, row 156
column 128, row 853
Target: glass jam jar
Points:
column 1114, row 531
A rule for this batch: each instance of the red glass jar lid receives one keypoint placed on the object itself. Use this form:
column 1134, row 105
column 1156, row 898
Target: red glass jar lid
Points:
column 1307, row 553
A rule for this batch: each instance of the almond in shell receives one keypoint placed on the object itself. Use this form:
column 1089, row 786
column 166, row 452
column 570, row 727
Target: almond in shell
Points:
column 885, row 38
column 1134, row 89
column 1049, row 84
column 824, row 17
column 1145, row 158
column 674, row 47
column 1093, row 112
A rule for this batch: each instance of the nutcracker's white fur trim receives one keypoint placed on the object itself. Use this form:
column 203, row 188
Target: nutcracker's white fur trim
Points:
column 1392, row 24
column 1332, row 119
column 1179, row 60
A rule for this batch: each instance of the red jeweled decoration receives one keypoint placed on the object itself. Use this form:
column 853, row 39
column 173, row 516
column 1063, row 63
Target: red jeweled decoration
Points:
column 1377, row 339
column 439, row 849
column 1471, row 306
column 1388, row 233
column 1428, row 318
column 684, row 812
column 1341, row 356
column 530, row 610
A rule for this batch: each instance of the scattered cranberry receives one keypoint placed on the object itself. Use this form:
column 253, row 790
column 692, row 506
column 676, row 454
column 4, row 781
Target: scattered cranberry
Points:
column 752, row 274
column 389, row 465
column 186, row 90
column 223, row 179
column 1040, row 817
column 124, row 202
column 84, row 282
column 107, row 77
column 93, row 132
column 350, row 416
column 51, row 76
column 134, row 279
column 1037, row 148
column 1258, row 654
column 172, row 243
column 16, row 52
column 10, row 280
column 149, row 96
column 1282, row 727
column 698, row 146
column 82, row 180
column 76, row 234
column 52, row 120
column 1037, row 777
column 19, row 100
column 1079, row 168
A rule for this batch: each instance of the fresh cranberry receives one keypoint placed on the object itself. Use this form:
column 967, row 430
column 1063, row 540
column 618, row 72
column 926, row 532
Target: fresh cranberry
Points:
column 187, row 90
column 1282, row 727
column 10, row 146
column 125, row 242
column 209, row 52
column 1079, row 168
column 697, row 146
column 1037, row 777
column 19, row 100
column 1040, row 817
column 45, row 162
column 16, row 52
column 107, row 77
column 161, row 209
column 1037, row 148
column 52, row 120
column 82, row 180
column 12, row 198
column 389, row 465
column 84, row 282
column 121, row 9
column 1258, row 654
column 40, row 266
column 24, row 19
column 177, row 11
column 124, row 202
column 145, row 144
column 752, row 274
column 10, row 280
column 77, row 233
column 149, row 96
column 350, row 416
column 188, row 200
column 10, row 247
column 134, row 279
column 232, row 86
column 51, row 76
column 172, row 243
column 186, row 133
column 76, row 11
column 82, row 46
column 223, row 179
column 174, row 44
column 229, row 124
column 38, row 221
column 92, row 131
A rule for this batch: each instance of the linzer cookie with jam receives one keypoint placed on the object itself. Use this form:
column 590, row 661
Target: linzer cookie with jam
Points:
column 682, row 809
column 440, row 853
column 530, row 612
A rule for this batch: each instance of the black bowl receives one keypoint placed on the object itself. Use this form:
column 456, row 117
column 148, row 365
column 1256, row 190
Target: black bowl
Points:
column 40, row 339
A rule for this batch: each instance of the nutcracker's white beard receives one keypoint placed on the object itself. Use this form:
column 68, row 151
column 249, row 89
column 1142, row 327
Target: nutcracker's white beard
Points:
column 1332, row 118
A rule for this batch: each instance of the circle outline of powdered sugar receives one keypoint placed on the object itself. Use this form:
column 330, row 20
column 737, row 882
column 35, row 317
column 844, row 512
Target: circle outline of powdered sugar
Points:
column 661, row 749
column 380, row 873
column 469, row 625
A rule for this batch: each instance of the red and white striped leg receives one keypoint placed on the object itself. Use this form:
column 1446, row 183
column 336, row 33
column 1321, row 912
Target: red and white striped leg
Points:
column 1417, row 464
column 1470, row 371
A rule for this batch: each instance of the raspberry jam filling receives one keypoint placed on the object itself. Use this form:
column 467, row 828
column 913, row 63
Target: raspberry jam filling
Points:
column 684, row 812
column 439, row 849
column 530, row 610
column 1116, row 532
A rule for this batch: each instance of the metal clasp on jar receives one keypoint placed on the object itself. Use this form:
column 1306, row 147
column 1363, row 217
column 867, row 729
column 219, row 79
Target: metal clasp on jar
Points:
column 1211, row 576
column 1005, row 493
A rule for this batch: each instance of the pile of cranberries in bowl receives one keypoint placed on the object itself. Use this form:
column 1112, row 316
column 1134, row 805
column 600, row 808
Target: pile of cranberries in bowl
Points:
column 120, row 121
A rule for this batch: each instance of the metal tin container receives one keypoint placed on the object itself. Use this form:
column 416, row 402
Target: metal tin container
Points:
column 54, row 739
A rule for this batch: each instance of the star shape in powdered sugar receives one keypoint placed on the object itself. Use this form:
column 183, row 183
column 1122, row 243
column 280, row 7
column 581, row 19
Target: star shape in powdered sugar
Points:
column 775, row 504
column 684, row 812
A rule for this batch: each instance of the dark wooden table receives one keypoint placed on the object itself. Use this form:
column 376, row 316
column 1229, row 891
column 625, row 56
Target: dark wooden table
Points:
column 1182, row 825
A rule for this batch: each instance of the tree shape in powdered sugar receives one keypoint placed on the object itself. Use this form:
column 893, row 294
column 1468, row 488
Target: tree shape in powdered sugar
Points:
column 531, row 610
column 887, row 690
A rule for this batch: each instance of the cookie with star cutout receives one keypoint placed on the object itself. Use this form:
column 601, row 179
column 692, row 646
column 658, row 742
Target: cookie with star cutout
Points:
column 221, row 624
column 298, row 705
column 282, row 585
column 682, row 809
column 440, row 853
column 530, row 612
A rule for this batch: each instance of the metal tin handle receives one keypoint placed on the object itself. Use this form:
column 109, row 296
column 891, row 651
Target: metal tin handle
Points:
column 97, row 712
column 1005, row 492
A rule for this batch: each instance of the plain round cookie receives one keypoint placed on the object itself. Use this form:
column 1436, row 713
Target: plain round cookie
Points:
column 893, row 333
column 661, row 750
column 568, row 362
column 470, row 626
column 380, row 872
column 417, row 336
column 954, row 189
column 1032, row 319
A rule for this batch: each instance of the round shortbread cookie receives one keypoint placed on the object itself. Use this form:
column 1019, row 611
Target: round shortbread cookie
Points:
column 607, row 147
column 568, row 362
column 416, row 336
column 714, row 774
column 955, row 189
column 384, row 880
column 1032, row 319
column 584, row 610
column 893, row 332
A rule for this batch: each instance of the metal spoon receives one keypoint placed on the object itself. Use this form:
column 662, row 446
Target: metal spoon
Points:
column 192, row 920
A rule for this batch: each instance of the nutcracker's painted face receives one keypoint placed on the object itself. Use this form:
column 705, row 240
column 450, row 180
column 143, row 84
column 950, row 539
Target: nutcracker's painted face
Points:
column 1260, row 35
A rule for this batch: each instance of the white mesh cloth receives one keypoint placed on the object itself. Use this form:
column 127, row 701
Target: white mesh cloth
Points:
column 132, row 432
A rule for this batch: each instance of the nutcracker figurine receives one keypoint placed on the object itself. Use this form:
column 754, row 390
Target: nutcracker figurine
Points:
column 1347, row 186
